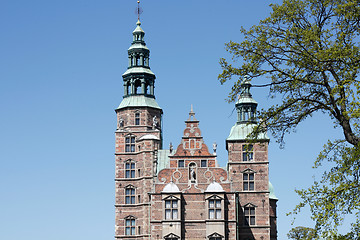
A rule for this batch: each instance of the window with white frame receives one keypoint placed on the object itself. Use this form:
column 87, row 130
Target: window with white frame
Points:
column 248, row 153
column 130, row 144
column 214, row 208
column 129, row 169
column 130, row 226
column 203, row 163
column 130, row 195
column 249, row 215
column 248, row 180
column 181, row 163
column 171, row 208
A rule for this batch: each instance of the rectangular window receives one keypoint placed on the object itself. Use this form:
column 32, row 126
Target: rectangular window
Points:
column 171, row 209
column 129, row 196
column 203, row 163
column 214, row 209
column 129, row 170
column 248, row 182
column 130, row 144
column 137, row 118
column 181, row 163
column 130, row 227
column 248, row 153
column 249, row 213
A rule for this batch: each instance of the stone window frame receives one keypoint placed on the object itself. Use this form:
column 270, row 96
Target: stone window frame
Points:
column 131, row 195
column 178, row 203
column 137, row 118
column 130, row 226
column 247, row 152
column 130, row 172
column 182, row 165
column 130, row 141
column 249, row 214
column 215, row 198
column 203, row 163
column 249, row 180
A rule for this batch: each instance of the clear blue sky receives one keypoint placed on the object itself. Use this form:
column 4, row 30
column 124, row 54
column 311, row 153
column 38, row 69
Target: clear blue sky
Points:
column 60, row 80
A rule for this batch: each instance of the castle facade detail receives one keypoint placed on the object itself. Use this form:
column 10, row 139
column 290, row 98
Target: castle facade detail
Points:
column 182, row 193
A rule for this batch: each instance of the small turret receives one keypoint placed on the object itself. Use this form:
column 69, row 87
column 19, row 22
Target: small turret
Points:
column 246, row 115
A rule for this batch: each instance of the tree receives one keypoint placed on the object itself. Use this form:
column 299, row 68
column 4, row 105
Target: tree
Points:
column 306, row 233
column 308, row 52
column 302, row 233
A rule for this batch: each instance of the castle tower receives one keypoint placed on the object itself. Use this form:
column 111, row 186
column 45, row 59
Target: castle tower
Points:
column 248, row 168
column 138, row 140
column 182, row 193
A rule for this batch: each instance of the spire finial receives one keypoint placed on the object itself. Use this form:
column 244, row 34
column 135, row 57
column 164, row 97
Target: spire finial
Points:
column 192, row 113
column 138, row 10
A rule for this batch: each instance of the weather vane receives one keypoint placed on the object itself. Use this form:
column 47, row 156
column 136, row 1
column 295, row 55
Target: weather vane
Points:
column 138, row 10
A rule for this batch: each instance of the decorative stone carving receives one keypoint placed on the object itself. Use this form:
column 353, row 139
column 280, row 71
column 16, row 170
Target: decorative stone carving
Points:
column 155, row 122
column 120, row 123
column 214, row 147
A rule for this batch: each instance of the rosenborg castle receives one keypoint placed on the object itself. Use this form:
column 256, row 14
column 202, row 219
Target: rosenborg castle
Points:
column 182, row 192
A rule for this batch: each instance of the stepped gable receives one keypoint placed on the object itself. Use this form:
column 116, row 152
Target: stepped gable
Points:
column 192, row 143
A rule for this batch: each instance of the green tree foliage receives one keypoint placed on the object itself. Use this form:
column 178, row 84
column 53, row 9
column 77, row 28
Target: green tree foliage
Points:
column 308, row 54
column 302, row 233
column 306, row 233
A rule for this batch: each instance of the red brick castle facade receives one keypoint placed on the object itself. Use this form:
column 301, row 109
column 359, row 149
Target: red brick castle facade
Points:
column 182, row 193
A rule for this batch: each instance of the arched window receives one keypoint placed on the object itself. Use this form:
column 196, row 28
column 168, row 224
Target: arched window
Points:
column 137, row 86
column 130, row 144
column 248, row 180
column 130, row 226
column 130, row 195
column 129, row 169
column 192, row 172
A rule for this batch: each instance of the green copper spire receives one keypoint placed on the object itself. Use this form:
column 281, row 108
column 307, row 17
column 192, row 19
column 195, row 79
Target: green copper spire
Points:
column 246, row 105
column 139, row 80
column 246, row 114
